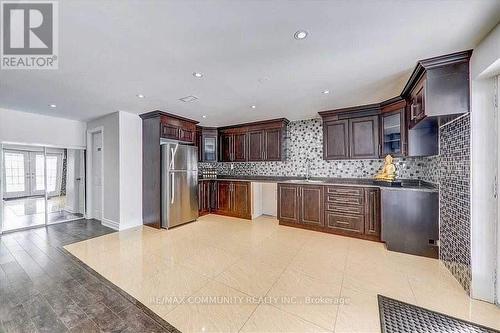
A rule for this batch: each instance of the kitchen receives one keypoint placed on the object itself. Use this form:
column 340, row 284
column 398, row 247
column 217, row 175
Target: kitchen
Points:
column 252, row 166
column 319, row 174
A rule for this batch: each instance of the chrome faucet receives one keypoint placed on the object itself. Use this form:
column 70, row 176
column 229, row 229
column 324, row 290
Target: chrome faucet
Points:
column 308, row 168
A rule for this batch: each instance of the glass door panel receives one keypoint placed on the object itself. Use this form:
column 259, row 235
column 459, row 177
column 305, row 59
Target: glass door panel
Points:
column 65, row 185
column 16, row 174
column 23, row 201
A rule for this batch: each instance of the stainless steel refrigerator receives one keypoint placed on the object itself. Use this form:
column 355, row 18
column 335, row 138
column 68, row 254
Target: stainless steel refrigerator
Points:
column 179, row 184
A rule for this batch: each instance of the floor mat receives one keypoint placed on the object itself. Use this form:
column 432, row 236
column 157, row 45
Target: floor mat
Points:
column 400, row 317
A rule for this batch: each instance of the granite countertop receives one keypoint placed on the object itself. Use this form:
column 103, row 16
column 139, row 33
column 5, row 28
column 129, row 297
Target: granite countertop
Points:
column 406, row 184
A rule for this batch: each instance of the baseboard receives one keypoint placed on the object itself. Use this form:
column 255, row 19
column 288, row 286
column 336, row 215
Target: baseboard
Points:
column 110, row 224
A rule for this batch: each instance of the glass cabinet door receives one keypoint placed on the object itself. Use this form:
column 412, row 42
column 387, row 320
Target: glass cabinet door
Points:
column 210, row 149
column 392, row 134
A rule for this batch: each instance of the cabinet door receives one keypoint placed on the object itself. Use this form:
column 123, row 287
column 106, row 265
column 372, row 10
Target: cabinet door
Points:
column 393, row 133
column 336, row 139
column 311, row 205
column 240, row 147
column 226, row 147
column 186, row 135
column 272, row 145
column 363, row 133
column 241, row 199
column 372, row 212
column 203, row 197
column 199, row 144
column 288, row 203
column 170, row 131
column 209, row 145
column 223, row 202
column 255, row 145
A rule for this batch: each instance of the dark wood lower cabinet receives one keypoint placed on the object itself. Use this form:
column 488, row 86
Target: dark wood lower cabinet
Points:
column 348, row 211
column 300, row 204
column 231, row 198
column 204, row 188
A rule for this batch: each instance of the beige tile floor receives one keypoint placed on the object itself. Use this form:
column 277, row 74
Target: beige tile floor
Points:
column 222, row 274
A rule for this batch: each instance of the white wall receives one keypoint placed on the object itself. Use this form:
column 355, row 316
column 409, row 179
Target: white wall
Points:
column 34, row 129
column 130, row 170
column 484, row 167
column 111, row 167
column 122, row 166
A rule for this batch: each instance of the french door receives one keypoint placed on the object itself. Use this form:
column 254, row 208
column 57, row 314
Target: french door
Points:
column 24, row 173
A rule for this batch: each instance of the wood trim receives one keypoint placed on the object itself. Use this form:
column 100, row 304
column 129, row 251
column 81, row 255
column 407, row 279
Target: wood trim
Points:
column 439, row 61
column 368, row 109
column 158, row 113
column 279, row 121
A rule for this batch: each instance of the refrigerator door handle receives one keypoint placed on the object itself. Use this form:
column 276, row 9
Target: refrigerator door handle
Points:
column 173, row 151
column 172, row 194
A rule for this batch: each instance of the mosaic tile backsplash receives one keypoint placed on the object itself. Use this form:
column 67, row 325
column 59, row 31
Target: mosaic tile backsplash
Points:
column 454, row 199
column 305, row 147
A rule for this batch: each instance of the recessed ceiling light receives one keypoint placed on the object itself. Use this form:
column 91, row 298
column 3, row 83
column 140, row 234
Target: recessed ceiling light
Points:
column 253, row 106
column 326, row 91
column 197, row 74
column 203, row 116
column 52, row 105
column 140, row 96
column 301, row 34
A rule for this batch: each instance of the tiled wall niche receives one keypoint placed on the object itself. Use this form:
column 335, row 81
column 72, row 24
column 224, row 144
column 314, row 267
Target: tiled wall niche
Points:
column 305, row 142
column 454, row 199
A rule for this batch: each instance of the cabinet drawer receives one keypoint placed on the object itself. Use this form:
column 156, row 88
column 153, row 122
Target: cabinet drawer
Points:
column 345, row 222
column 351, row 191
column 344, row 199
column 350, row 209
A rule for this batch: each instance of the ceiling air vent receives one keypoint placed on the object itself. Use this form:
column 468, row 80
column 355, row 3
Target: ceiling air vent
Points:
column 188, row 99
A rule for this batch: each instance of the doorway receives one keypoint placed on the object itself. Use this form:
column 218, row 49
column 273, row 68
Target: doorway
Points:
column 40, row 186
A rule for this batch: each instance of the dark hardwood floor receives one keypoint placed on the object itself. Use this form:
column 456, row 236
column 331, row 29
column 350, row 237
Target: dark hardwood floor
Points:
column 43, row 288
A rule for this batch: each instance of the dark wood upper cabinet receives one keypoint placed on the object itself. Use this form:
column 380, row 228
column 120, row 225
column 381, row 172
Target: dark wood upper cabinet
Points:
column 255, row 145
column 240, row 147
column 155, row 126
column 259, row 141
column 273, row 144
column 336, row 139
column 226, row 147
column 393, row 130
column 206, row 140
column 438, row 89
column 351, row 132
column 363, row 135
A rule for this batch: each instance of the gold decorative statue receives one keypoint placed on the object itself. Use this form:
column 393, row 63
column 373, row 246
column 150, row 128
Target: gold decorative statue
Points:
column 388, row 172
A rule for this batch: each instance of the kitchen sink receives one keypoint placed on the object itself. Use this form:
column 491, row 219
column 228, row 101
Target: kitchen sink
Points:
column 305, row 181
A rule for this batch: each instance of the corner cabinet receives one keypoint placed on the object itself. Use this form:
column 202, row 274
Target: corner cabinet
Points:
column 344, row 210
column 206, row 141
column 254, row 142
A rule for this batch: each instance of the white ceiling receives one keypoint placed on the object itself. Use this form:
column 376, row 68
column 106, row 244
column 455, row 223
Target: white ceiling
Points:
column 363, row 51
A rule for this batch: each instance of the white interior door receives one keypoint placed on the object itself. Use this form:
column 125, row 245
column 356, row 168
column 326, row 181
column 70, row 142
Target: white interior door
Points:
column 97, row 175
column 16, row 174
